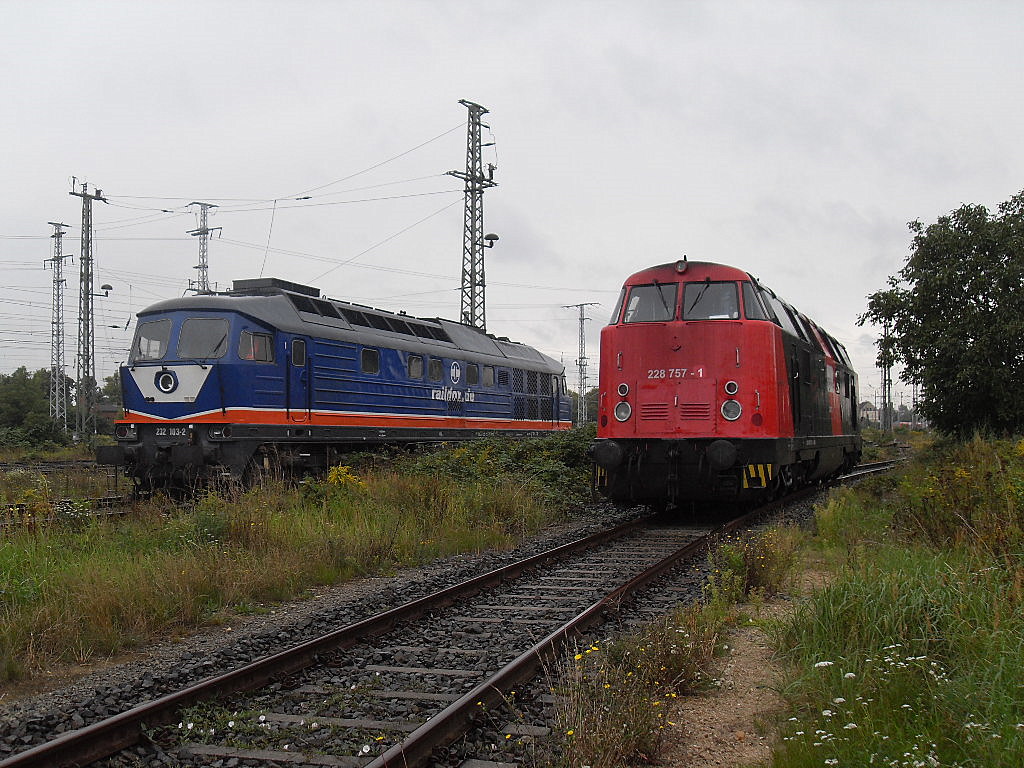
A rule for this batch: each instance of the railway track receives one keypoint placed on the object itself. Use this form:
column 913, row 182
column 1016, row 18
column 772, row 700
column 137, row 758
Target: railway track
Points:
column 61, row 492
column 446, row 657
column 47, row 467
column 392, row 689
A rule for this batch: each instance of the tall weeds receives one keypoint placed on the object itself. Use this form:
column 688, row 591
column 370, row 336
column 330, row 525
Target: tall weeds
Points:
column 914, row 655
column 74, row 593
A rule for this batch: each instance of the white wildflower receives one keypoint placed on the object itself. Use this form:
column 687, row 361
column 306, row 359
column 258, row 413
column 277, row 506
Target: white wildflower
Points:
column 824, row 664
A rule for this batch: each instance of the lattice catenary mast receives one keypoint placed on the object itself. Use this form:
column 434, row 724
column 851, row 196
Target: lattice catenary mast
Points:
column 202, row 283
column 581, row 361
column 887, row 408
column 58, row 378
column 473, row 240
column 85, row 389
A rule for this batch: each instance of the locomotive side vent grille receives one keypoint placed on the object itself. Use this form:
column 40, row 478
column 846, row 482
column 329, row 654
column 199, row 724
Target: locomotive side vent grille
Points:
column 654, row 411
column 518, row 408
column 547, row 408
column 531, row 382
column 694, row 411
column 531, row 408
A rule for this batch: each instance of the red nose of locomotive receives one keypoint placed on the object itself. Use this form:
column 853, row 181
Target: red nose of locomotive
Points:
column 680, row 360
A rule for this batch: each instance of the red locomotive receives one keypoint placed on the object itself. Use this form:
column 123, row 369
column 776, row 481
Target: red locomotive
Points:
column 713, row 388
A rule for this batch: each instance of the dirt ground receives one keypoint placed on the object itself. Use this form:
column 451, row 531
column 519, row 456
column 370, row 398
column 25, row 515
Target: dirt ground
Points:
column 731, row 724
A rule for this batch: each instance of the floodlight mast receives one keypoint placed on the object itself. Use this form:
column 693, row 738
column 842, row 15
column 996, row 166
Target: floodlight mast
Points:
column 473, row 311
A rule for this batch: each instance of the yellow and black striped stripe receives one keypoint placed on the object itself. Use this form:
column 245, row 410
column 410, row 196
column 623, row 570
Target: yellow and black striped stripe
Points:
column 757, row 475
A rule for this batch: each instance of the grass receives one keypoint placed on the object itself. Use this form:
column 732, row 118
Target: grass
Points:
column 914, row 654
column 40, row 491
column 614, row 701
column 70, row 594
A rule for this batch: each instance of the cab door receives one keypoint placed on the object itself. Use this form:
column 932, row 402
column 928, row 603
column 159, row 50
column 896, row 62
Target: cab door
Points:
column 298, row 381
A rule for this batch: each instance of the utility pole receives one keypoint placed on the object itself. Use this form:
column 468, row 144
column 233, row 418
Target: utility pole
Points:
column 581, row 362
column 473, row 240
column 886, row 382
column 913, row 405
column 202, row 283
column 85, row 389
column 58, row 383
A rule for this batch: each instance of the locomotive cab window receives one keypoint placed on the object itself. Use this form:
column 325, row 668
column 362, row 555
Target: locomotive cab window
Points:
column 256, row 346
column 651, row 303
column 151, row 341
column 752, row 304
column 203, row 338
column 488, row 376
column 415, row 365
column 434, row 369
column 299, row 353
column 369, row 360
column 710, row 301
column 472, row 374
column 618, row 308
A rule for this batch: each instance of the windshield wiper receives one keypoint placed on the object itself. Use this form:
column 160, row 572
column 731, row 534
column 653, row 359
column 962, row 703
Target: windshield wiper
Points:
column 668, row 312
column 700, row 293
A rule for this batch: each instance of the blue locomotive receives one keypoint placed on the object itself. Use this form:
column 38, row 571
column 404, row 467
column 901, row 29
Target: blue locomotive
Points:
column 271, row 373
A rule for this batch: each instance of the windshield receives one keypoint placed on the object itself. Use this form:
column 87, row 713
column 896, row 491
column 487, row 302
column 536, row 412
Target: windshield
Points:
column 651, row 303
column 203, row 337
column 710, row 301
column 151, row 340
column 618, row 308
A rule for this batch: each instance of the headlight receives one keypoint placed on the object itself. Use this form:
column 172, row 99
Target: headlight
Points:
column 731, row 410
column 125, row 432
column 623, row 389
column 623, row 411
column 166, row 381
column 731, row 387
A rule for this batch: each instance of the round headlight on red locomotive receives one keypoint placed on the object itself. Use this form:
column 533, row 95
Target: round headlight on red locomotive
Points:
column 731, row 387
column 732, row 410
column 623, row 411
column 623, row 389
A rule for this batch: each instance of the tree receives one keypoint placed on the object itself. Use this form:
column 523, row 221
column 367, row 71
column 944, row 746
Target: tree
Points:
column 955, row 318
column 25, row 409
column 22, row 395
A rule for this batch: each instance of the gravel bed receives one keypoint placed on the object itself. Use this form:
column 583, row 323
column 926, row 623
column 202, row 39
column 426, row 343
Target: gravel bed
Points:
column 501, row 736
column 167, row 667
column 369, row 681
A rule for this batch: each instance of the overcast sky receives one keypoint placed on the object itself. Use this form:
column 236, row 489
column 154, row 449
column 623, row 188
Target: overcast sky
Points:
column 791, row 139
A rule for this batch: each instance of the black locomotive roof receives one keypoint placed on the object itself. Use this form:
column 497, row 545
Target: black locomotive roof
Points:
column 300, row 309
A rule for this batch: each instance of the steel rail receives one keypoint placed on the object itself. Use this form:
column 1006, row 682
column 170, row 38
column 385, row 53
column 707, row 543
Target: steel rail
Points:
column 121, row 731
column 104, row 738
column 453, row 721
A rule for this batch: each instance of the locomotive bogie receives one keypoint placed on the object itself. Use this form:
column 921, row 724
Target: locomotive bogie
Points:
column 705, row 393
